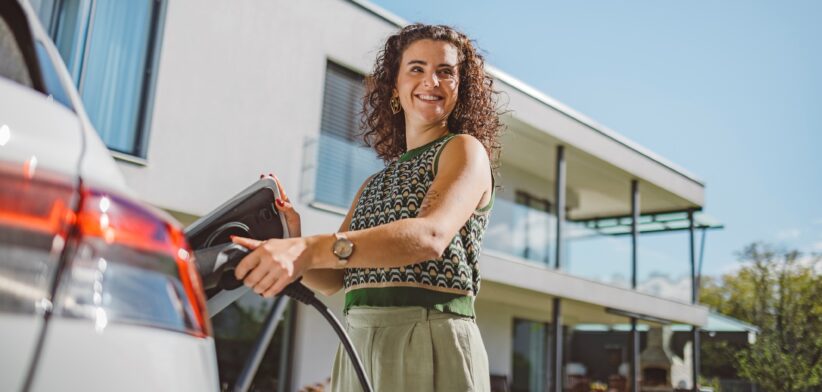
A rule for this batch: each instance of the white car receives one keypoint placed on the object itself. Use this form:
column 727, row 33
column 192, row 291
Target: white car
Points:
column 97, row 290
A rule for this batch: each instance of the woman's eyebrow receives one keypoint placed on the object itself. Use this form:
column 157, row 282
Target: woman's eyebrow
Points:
column 410, row 62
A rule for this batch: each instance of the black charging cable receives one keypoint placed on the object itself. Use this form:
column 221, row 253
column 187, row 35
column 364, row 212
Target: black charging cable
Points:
column 303, row 294
column 217, row 264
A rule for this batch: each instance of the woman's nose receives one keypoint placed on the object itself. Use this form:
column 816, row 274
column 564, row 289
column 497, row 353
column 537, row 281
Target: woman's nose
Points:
column 433, row 80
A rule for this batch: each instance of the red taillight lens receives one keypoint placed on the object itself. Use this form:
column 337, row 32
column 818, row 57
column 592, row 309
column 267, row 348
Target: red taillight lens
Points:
column 40, row 206
column 36, row 215
column 132, row 265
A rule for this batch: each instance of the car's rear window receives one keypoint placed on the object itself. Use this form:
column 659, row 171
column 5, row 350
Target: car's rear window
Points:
column 12, row 63
column 50, row 77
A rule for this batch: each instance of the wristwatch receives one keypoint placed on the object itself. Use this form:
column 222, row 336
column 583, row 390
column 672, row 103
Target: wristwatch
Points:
column 343, row 247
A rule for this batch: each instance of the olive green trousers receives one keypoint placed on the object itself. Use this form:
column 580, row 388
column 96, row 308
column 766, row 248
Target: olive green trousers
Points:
column 413, row 349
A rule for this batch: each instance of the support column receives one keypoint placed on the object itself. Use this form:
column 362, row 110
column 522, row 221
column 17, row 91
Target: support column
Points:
column 695, row 364
column 692, row 251
column 556, row 319
column 634, row 337
column 633, row 348
column 556, row 346
column 560, row 205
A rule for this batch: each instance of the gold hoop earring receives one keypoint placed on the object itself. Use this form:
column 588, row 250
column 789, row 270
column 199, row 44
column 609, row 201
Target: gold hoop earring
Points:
column 395, row 105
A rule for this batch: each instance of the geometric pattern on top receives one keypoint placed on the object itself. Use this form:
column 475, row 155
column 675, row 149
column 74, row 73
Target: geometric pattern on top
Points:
column 396, row 192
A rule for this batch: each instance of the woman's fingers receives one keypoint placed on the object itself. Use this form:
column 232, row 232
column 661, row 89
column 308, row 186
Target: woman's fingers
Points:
column 280, row 188
column 247, row 264
column 292, row 217
column 269, row 293
column 286, row 207
column 278, row 286
column 249, row 243
column 256, row 274
column 265, row 283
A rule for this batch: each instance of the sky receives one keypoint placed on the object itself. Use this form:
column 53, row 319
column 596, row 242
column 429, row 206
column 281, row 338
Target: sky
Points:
column 731, row 91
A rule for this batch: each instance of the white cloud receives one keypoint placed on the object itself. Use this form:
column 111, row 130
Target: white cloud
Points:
column 816, row 246
column 731, row 268
column 667, row 287
column 811, row 261
column 788, row 234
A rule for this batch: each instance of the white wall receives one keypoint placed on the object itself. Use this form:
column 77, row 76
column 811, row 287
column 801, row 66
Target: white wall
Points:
column 239, row 89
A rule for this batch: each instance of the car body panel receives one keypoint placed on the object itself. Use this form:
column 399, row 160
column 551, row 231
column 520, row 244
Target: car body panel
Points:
column 78, row 356
column 38, row 130
column 40, row 148
column 20, row 333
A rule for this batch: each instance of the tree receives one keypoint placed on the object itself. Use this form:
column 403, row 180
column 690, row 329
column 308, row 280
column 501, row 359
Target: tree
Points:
column 781, row 293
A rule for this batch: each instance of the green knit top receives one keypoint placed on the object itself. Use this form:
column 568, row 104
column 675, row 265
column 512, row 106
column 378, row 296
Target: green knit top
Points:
column 448, row 283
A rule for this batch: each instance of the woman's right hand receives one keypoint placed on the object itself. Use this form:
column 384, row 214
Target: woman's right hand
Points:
column 284, row 206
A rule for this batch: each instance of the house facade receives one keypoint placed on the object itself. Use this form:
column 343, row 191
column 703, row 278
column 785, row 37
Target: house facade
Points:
column 591, row 254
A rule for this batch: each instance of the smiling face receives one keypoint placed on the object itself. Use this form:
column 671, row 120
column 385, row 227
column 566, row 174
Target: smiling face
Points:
column 428, row 82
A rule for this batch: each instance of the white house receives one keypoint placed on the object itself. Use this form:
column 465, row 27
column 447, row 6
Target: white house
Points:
column 197, row 98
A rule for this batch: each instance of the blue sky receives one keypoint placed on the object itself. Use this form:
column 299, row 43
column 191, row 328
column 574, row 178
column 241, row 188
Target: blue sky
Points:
column 730, row 90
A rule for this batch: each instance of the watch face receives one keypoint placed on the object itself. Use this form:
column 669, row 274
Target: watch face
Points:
column 343, row 248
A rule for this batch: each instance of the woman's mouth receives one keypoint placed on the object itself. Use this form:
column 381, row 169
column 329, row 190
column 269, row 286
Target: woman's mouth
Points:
column 428, row 98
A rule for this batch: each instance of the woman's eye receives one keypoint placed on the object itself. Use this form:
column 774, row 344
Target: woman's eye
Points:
column 416, row 69
column 447, row 72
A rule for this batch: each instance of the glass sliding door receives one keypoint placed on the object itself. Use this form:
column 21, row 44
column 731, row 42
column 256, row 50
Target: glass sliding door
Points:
column 531, row 356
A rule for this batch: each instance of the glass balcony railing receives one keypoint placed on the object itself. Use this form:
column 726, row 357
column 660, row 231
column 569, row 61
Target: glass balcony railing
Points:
column 521, row 231
column 530, row 234
column 664, row 265
column 596, row 256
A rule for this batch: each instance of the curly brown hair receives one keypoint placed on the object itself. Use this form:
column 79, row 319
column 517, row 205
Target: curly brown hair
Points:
column 475, row 112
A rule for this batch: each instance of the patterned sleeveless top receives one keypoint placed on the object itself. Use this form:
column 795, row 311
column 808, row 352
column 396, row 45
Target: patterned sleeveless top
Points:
column 449, row 283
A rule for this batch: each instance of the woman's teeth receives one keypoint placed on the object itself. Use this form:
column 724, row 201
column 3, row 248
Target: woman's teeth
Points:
column 429, row 97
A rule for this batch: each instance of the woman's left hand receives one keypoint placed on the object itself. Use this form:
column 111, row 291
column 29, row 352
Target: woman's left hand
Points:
column 272, row 264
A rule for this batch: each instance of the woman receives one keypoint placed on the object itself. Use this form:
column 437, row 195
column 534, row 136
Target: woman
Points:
column 407, row 250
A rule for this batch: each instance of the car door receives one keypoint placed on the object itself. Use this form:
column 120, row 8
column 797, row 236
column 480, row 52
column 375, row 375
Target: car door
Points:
column 40, row 151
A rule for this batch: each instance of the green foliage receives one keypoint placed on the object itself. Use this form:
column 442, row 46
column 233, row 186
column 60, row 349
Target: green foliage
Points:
column 781, row 293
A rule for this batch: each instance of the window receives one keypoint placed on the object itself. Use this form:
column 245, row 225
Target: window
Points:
column 532, row 356
column 342, row 162
column 50, row 77
column 110, row 49
column 537, row 225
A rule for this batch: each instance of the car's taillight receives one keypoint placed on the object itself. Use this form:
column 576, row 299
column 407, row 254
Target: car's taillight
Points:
column 36, row 214
column 129, row 264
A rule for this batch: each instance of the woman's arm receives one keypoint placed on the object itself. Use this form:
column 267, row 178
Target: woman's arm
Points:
column 462, row 183
column 325, row 280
